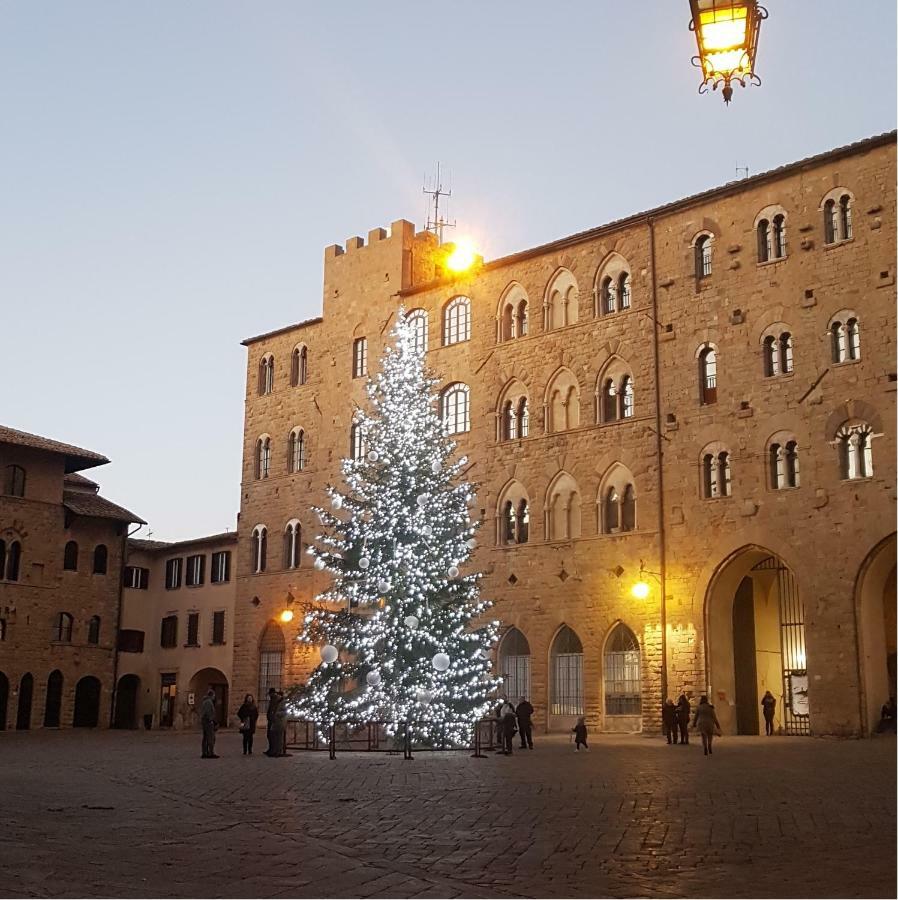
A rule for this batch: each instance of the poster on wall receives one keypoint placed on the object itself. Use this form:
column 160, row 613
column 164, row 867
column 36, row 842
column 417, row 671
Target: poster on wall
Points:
column 798, row 692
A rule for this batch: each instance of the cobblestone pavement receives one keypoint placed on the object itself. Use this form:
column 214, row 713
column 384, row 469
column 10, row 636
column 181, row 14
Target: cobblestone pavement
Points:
column 137, row 814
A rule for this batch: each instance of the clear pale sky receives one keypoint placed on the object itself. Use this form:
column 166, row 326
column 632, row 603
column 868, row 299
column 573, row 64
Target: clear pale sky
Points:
column 170, row 173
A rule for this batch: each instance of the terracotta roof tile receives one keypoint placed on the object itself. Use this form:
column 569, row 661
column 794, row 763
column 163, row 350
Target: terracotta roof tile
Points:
column 97, row 507
column 76, row 457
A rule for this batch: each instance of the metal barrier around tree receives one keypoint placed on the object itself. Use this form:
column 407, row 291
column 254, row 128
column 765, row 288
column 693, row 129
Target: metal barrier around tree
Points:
column 376, row 737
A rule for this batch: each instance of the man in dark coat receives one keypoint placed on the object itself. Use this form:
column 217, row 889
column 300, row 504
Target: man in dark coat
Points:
column 669, row 720
column 271, row 712
column 524, row 712
column 207, row 720
column 684, row 709
column 509, row 723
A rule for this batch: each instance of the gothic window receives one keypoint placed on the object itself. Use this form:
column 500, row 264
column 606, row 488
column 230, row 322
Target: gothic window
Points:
column 837, row 225
column 563, row 402
column 455, row 408
column 626, row 397
column 562, row 509
column 523, row 416
column 854, row 441
column 296, row 450
column 509, row 523
column 521, row 319
column 612, row 511
column 561, row 300
column 263, row 457
column 784, row 472
column 292, row 544
column 845, row 217
column 609, row 296
column 609, row 401
column 771, row 356
column 566, row 697
column 70, row 557
column 523, row 524
column 628, row 509
column 509, row 421
column 514, row 515
column 617, row 501
column 707, row 372
column 299, row 365
column 514, row 665
column 765, row 241
column 779, row 236
column 13, row 561
column 417, row 318
column 830, row 222
column 716, row 475
column 846, row 339
column 266, row 374
column 457, row 321
column 259, row 549
column 854, row 339
column 360, row 357
column 623, row 290
column 623, row 684
column 703, row 256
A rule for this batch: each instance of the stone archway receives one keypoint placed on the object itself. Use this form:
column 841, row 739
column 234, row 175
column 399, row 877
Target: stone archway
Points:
column 4, row 700
column 875, row 610
column 514, row 665
column 23, row 711
column 566, row 702
column 126, row 702
column 87, row 703
column 53, row 702
column 755, row 642
column 201, row 682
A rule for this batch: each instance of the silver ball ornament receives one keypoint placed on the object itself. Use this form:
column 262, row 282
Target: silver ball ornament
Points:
column 337, row 503
column 453, row 571
column 329, row 653
column 364, row 562
column 373, row 678
column 411, row 621
column 440, row 662
column 319, row 564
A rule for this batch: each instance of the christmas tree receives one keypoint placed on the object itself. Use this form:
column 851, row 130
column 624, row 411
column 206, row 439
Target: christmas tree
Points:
column 394, row 630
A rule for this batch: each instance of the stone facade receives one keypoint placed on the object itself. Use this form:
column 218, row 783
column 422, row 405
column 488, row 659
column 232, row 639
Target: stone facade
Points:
column 799, row 554
column 60, row 604
column 167, row 683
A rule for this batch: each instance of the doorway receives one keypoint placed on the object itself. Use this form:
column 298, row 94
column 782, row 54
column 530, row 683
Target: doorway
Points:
column 126, row 702
column 4, row 700
column 87, row 703
column 168, row 692
column 26, row 692
column 53, row 704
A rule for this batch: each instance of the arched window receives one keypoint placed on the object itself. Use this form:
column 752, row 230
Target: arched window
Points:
column 562, row 508
column 611, row 517
column 563, row 402
column 93, row 630
column 259, row 549
column 628, row 509
column 837, row 217
column 514, row 414
column 271, row 660
column 417, row 318
column 262, row 467
column 765, row 241
column 514, row 515
column 707, row 374
column 523, row 533
column 15, row 481
column 514, row 665
column 101, row 558
column 784, row 471
column 455, row 408
column 521, row 319
column 609, row 296
column 296, row 450
column 785, row 348
column 523, row 418
column 292, row 544
column 299, row 365
column 703, row 256
column 70, row 557
column 623, row 290
column 830, row 222
column 457, row 321
column 509, row 421
column 561, row 300
column 609, row 401
column 507, row 323
column 266, row 374
column 626, row 397
column 509, row 523
column 845, row 217
column 771, row 356
column 716, row 474
column 854, row 339
column 623, row 685
column 566, row 697
column 855, row 441
column 846, row 339
column 616, row 501
column 63, row 630
column 358, row 443
column 779, row 236
column 13, row 561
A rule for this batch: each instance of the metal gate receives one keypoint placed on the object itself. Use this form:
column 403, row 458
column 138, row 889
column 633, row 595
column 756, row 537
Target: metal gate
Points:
column 796, row 711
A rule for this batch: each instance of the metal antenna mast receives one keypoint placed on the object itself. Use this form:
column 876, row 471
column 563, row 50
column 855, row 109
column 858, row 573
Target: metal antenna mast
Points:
column 741, row 169
column 435, row 222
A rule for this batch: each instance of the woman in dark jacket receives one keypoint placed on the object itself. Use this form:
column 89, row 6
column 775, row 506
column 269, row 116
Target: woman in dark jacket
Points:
column 248, row 714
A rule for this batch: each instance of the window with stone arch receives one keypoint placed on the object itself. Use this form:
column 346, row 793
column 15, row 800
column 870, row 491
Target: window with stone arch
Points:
column 262, row 457
column 70, row 557
column 456, row 321
column 266, row 374
column 782, row 461
column 101, row 559
column 296, row 450
column 513, row 413
column 419, row 322
column 623, row 679
column 292, row 544
column 10, row 560
column 845, row 336
column 706, row 356
column 837, row 208
column 455, row 408
column 716, row 472
column 514, row 665
column 854, row 441
column 702, row 250
column 63, row 630
column 562, row 508
column 561, row 303
column 615, row 394
column 513, row 515
column 259, row 560
column 770, row 227
column 271, row 660
column 512, row 314
column 566, row 656
column 299, row 365
column 616, row 501
column 776, row 349
column 613, row 286
column 93, row 630
column 562, row 402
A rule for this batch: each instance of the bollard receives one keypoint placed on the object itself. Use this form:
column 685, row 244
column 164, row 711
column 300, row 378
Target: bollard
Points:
column 332, row 742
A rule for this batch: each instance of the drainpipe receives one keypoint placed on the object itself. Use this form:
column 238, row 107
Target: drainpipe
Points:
column 118, row 619
column 659, row 454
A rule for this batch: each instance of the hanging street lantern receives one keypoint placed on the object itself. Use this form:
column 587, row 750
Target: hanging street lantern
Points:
column 726, row 32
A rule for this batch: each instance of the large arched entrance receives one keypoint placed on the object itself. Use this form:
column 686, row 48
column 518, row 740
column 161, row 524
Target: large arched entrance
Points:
column 875, row 605
column 271, row 660
column 566, row 680
column 87, row 703
column 216, row 680
column 514, row 665
column 53, row 704
column 4, row 700
column 755, row 642
column 622, row 681
column 126, row 702
column 26, row 692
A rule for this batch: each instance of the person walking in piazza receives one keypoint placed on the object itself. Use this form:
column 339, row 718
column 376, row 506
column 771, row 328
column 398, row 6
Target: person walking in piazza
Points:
column 706, row 721
column 581, row 732
column 524, row 712
column 248, row 714
column 669, row 720
column 207, row 719
column 509, row 722
column 684, row 709
column 270, row 714
column 768, row 705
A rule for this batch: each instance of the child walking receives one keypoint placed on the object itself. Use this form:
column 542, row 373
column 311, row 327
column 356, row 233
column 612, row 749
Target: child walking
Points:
column 580, row 733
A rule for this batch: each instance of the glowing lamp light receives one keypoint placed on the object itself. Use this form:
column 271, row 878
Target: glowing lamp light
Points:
column 462, row 256
column 726, row 32
column 640, row 590
column 287, row 616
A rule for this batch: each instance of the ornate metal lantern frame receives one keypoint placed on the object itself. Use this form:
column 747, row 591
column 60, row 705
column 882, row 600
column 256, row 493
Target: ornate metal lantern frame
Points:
column 723, row 63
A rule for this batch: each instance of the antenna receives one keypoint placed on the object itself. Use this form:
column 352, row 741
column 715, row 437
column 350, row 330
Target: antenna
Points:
column 741, row 169
column 435, row 221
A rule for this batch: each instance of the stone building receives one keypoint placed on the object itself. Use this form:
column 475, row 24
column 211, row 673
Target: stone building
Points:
column 176, row 637
column 695, row 402
column 61, row 552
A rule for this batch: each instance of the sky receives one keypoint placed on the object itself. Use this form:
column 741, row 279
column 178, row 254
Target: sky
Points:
column 171, row 172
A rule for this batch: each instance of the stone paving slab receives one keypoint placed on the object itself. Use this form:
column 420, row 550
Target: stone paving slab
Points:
column 135, row 814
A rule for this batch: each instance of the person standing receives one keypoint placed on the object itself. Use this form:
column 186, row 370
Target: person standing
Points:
column 768, row 705
column 524, row 712
column 581, row 732
column 508, row 727
column 684, row 708
column 706, row 722
column 248, row 714
column 270, row 714
column 278, row 738
column 207, row 719
column 669, row 720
